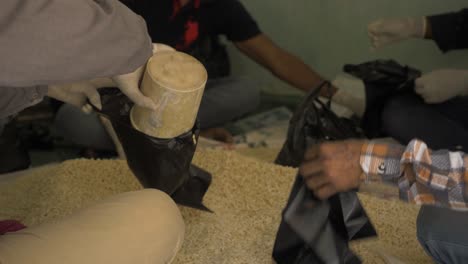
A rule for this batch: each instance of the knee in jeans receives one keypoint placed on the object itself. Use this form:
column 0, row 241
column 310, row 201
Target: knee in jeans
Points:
column 248, row 93
column 394, row 116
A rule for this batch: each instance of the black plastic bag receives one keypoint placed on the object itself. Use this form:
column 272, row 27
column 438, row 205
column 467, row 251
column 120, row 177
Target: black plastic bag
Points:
column 314, row 231
column 382, row 79
column 163, row 164
column 312, row 123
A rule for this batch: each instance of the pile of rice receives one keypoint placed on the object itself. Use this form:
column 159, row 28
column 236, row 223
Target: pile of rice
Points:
column 247, row 196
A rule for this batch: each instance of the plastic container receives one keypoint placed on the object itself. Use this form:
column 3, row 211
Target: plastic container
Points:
column 176, row 82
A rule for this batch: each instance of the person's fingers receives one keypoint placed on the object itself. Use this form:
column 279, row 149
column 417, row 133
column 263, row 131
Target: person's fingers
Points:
column 431, row 99
column 128, row 84
column 221, row 134
column 76, row 99
column 312, row 153
column 87, row 109
column 419, row 82
column 372, row 34
column 373, row 27
column 372, row 40
column 311, row 168
column 422, row 92
column 93, row 97
column 381, row 34
column 228, row 138
column 138, row 98
column 317, row 181
column 419, row 86
column 157, row 47
column 379, row 43
column 419, row 90
column 325, row 192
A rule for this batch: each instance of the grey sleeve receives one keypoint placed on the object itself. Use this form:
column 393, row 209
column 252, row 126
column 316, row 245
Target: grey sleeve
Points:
column 15, row 99
column 55, row 41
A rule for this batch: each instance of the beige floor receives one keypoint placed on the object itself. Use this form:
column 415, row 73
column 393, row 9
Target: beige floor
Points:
column 247, row 196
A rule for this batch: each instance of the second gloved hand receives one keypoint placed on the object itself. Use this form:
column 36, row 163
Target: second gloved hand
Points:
column 386, row 31
column 76, row 94
column 441, row 85
column 129, row 83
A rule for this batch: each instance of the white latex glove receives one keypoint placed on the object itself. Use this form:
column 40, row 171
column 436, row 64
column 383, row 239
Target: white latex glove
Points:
column 350, row 93
column 441, row 85
column 161, row 47
column 386, row 31
column 76, row 94
column 129, row 83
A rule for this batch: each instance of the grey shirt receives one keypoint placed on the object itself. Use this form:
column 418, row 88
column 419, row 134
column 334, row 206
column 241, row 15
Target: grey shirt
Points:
column 57, row 41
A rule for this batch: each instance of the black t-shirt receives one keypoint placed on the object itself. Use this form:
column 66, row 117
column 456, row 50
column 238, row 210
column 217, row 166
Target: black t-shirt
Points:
column 195, row 28
column 198, row 19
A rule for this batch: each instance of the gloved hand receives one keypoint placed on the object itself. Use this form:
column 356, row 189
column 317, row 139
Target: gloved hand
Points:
column 129, row 83
column 441, row 85
column 386, row 31
column 161, row 47
column 76, row 94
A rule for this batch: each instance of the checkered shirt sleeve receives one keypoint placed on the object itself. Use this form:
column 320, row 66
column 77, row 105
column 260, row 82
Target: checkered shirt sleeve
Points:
column 423, row 176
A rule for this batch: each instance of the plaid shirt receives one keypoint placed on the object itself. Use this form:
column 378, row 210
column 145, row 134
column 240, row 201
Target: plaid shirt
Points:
column 423, row 176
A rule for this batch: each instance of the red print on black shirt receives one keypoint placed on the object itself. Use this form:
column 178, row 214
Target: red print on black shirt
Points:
column 191, row 26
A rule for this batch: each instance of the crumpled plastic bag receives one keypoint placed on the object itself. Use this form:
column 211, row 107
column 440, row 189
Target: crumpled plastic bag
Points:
column 382, row 79
column 163, row 164
column 314, row 231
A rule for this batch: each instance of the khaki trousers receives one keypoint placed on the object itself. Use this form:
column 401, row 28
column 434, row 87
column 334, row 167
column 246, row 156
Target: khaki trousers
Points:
column 131, row 228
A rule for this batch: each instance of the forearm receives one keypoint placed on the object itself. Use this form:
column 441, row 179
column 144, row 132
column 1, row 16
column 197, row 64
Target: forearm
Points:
column 423, row 176
column 282, row 64
column 89, row 39
column 295, row 72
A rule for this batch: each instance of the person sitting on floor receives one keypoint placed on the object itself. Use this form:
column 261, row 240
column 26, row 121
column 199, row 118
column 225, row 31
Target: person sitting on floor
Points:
column 53, row 42
column 433, row 178
column 440, row 98
column 193, row 27
column 437, row 114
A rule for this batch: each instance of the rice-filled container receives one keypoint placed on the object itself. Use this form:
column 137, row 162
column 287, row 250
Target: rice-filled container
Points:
column 175, row 81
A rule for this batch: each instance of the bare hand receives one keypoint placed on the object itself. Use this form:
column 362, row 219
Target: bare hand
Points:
column 330, row 168
column 218, row 133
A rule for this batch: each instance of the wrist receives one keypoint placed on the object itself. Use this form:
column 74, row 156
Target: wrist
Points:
column 427, row 28
column 464, row 91
column 356, row 147
column 419, row 27
column 363, row 178
column 103, row 82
